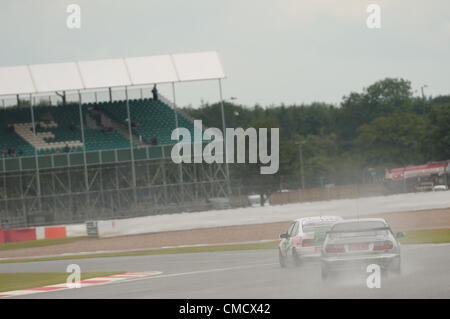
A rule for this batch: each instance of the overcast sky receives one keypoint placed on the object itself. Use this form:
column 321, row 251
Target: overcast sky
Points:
column 278, row 51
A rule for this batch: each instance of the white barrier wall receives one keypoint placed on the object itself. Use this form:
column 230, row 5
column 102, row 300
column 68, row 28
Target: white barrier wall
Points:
column 140, row 225
column 107, row 228
column 349, row 208
column 76, row 230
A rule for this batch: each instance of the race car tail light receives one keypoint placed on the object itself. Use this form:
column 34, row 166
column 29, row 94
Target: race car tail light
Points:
column 308, row 242
column 334, row 249
column 383, row 245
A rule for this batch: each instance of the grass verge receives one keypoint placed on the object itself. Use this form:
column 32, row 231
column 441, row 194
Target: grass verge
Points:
column 177, row 250
column 426, row 236
column 18, row 281
column 39, row 243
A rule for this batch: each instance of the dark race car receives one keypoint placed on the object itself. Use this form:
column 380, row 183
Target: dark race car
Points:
column 357, row 243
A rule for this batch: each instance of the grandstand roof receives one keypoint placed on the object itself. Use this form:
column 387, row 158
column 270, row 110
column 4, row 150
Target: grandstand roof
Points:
column 100, row 74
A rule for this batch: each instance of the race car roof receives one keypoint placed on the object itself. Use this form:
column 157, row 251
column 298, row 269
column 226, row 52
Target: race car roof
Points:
column 362, row 220
column 318, row 219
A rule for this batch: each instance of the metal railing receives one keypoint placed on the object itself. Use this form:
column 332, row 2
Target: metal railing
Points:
column 75, row 159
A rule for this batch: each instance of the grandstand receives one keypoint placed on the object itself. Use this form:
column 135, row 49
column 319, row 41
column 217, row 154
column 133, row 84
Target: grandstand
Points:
column 153, row 119
column 73, row 162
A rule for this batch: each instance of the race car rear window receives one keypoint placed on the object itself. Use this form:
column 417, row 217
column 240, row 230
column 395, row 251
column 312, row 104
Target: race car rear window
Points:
column 316, row 228
column 359, row 226
column 314, row 225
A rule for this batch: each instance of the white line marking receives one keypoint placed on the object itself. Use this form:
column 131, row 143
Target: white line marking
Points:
column 199, row 272
column 78, row 254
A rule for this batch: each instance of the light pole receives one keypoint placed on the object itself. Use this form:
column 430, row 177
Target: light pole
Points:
column 423, row 97
column 302, row 174
column 222, row 108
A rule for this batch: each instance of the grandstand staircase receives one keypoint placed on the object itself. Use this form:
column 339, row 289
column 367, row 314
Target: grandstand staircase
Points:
column 173, row 106
column 25, row 130
column 107, row 121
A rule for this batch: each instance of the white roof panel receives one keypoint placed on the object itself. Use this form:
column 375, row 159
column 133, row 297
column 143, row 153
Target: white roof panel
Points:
column 56, row 77
column 85, row 75
column 151, row 69
column 16, row 80
column 104, row 73
column 198, row 66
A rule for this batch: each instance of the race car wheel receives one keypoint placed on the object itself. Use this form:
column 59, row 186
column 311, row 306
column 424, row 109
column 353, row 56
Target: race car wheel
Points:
column 282, row 259
column 296, row 258
column 325, row 274
column 396, row 267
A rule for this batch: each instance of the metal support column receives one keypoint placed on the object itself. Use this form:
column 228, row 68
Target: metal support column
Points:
column 22, row 199
column 86, row 176
column 224, row 138
column 302, row 173
column 133, row 167
column 69, row 184
column 86, row 179
column 118, row 205
column 102, row 191
column 38, row 179
column 180, row 166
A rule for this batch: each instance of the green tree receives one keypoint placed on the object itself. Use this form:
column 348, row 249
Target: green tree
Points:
column 382, row 126
column 437, row 144
column 396, row 139
column 319, row 155
column 379, row 99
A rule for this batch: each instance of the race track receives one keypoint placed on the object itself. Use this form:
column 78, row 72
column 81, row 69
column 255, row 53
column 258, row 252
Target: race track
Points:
column 251, row 274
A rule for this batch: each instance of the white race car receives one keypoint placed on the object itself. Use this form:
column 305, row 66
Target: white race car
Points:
column 357, row 243
column 304, row 238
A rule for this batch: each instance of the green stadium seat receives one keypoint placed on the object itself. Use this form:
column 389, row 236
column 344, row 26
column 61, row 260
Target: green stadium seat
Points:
column 153, row 119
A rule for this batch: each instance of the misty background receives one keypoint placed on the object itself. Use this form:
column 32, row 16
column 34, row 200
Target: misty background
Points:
column 273, row 52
